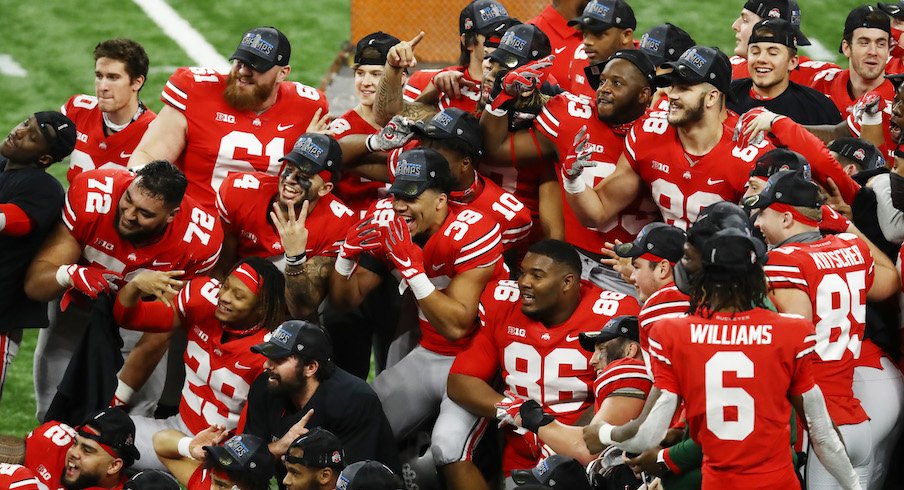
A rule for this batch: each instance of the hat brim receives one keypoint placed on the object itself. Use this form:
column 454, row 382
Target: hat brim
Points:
column 271, row 351
column 588, row 340
column 589, row 24
column 222, row 459
column 893, row 9
column 255, row 62
column 682, row 74
column 629, row 250
column 524, row 476
column 408, row 189
column 758, row 201
column 506, row 58
column 800, row 38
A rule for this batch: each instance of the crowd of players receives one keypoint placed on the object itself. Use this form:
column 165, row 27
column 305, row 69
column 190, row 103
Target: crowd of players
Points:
column 578, row 259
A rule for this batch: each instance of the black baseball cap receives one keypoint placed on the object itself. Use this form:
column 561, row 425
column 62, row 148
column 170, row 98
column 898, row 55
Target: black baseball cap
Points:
column 520, row 44
column 263, row 48
column 715, row 217
column 699, row 64
column 245, row 454
column 861, row 151
column 660, row 240
column 486, row 17
column 453, row 123
column 732, row 250
column 379, row 42
column 895, row 9
column 786, row 187
column 492, row 40
column 556, row 471
column 420, row 169
column 665, row 42
column 298, row 337
column 368, row 475
column 151, row 480
column 778, row 159
column 621, row 326
column 600, row 15
column 113, row 428
column 866, row 16
column 780, row 9
column 773, row 31
column 314, row 152
column 320, row 448
column 59, row 132
column 635, row 56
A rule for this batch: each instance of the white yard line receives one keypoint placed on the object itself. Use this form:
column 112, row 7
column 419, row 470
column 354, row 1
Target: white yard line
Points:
column 818, row 51
column 10, row 68
column 179, row 30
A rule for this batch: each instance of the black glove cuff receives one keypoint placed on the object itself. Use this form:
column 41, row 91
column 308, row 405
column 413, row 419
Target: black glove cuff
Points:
column 533, row 417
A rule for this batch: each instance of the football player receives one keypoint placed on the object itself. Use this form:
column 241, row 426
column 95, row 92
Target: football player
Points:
column 112, row 121
column 212, row 124
column 530, row 332
column 116, row 223
column 807, row 272
column 222, row 321
column 292, row 220
column 739, row 368
column 314, row 461
column 607, row 26
column 205, row 462
column 565, row 41
column 19, row 477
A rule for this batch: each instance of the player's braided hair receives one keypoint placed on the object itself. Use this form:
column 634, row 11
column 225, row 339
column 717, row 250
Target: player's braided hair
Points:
column 129, row 52
column 715, row 290
column 271, row 299
column 162, row 179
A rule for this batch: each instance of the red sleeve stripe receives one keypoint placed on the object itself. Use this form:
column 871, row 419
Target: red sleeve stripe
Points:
column 210, row 262
column 224, row 215
column 639, row 374
column 657, row 346
column 494, row 239
column 780, row 279
column 516, row 234
column 169, row 94
column 29, row 482
column 628, row 148
column 98, row 257
column 548, row 125
column 69, row 215
column 782, row 268
column 182, row 299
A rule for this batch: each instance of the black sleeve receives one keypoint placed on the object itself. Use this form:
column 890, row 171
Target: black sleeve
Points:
column 38, row 194
column 257, row 410
column 364, row 430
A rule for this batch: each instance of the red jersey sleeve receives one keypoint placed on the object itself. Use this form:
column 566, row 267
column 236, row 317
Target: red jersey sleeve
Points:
column 481, row 358
column 783, row 270
column 199, row 289
column 664, row 374
column 478, row 239
column 18, row 477
column 226, row 196
column 561, row 119
column 45, row 451
column 176, row 90
column 203, row 235
column 416, row 84
column 802, row 379
column 627, row 375
column 90, row 196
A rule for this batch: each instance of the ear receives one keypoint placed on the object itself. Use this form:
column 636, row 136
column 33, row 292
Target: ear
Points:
column 115, row 466
column 137, row 83
column 172, row 215
column 324, row 476
column 845, row 48
column 793, row 62
column 442, row 201
column 283, row 73
column 45, row 161
column 311, row 369
column 569, row 281
column 850, row 169
column 645, row 97
column 632, row 349
column 663, row 269
column 627, row 37
column 326, row 189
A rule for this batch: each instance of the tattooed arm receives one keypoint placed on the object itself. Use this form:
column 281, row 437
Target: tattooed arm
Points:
column 306, row 285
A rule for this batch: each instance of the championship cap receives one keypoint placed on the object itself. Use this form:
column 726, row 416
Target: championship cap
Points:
column 699, row 64
column 486, row 17
column 780, row 9
column 59, row 131
column 895, row 9
column 263, row 48
column 665, row 42
column 492, row 41
column 786, row 187
column 866, row 16
column 656, row 241
column 373, row 48
column 520, row 44
column 420, row 169
column 319, row 448
column 368, row 475
column 556, row 471
column 859, row 150
column 112, row 427
column 717, row 216
column 779, row 159
column 314, row 152
column 600, row 15
column 635, row 56
column 151, row 480
column 732, row 250
column 453, row 123
column 773, row 31
column 298, row 337
column 245, row 454
column 620, row 326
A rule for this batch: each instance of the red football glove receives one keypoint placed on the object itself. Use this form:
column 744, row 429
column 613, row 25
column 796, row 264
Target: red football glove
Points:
column 833, row 221
column 407, row 257
column 90, row 281
column 508, row 409
column 753, row 125
column 868, row 109
column 523, row 79
column 365, row 236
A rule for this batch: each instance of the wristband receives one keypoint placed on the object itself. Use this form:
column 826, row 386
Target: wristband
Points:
column 367, row 144
column 297, row 260
column 345, row 266
column 497, row 112
column 868, row 119
column 62, row 276
column 573, row 186
column 605, row 434
column 421, row 286
column 184, row 447
column 124, row 392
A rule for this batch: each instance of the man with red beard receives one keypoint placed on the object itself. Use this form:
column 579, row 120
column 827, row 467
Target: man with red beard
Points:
column 212, row 125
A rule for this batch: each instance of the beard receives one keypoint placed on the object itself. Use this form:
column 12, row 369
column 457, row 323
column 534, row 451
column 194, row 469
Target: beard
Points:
column 287, row 388
column 139, row 236
column 83, row 481
column 244, row 100
column 692, row 114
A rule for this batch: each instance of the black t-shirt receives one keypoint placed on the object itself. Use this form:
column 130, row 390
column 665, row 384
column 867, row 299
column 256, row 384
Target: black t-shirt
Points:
column 40, row 196
column 343, row 404
column 803, row 105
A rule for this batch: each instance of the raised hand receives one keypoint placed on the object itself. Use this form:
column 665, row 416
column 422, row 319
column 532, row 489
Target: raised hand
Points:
column 292, row 232
column 451, row 82
column 521, row 81
column 365, row 236
column 753, row 125
column 402, row 55
column 320, row 124
column 868, row 109
column 162, row 284
column 579, row 158
column 407, row 257
column 395, row 134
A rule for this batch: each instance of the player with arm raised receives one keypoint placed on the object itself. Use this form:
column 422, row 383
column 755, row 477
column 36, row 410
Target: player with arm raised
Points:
column 212, row 125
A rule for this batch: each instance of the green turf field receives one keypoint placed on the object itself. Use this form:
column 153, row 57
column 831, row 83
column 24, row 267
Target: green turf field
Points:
column 53, row 40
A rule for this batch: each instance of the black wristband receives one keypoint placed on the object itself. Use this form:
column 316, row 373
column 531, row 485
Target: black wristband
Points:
column 533, row 417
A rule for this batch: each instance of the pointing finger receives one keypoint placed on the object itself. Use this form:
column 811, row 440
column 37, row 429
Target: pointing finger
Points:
column 417, row 39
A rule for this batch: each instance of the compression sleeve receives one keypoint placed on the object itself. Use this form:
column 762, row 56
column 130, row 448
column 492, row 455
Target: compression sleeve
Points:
column 654, row 427
column 825, row 441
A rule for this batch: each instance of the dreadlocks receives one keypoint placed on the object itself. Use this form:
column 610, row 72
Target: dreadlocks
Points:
column 271, row 299
column 713, row 289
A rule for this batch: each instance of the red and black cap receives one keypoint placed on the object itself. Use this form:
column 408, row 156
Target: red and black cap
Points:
column 520, row 44
column 656, row 241
column 244, row 454
column 373, row 48
column 780, row 9
column 112, row 427
column 665, row 42
column 600, row 15
column 263, row 48
column 778, row 159
column 620, row 326
column 859, row 150
column 635, row 56
column 486, row 17
column 699, row 64
column 296, row 337
column 368, row 475
column 773, row 31
column 895, row 9
column 557, row 471
column 151, row 480
column 59, row 132
column 866, row 16
column 731, row 251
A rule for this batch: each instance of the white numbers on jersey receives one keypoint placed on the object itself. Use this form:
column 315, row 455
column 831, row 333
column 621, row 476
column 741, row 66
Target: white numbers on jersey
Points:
column 340, row 209
column 837, row 300
column 541, row 377
column 8, row 469
column 219, row 381
column 579, row 105
column 339, row 126
column 247, row 181
column 85, row 101
column 676, row 209
column 508, row 205
column 607, row 304
column 200, row 221
column 750, row 152
column 719, row 397
column 383, row 214
column 307, row 92
column 60, row 434
column 827, row 75
column 204, row 74
column 99, row 202
column 507, row 291
column 210, row 291
column 461, row 224
column 227, row 163
column 656, row 123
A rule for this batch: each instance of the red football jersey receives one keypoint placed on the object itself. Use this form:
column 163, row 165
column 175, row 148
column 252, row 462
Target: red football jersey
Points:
column 835, row 271
column 624, row 374
column 200, row 479
column 806, row 70
column 564, row 39
column 468, row 99
column 668, row 302
column 191, row 241
column 18, row 477
column 546, row 364
column 491, row 200
column 417, row 82
column 221, row 139
column 466, row 240
column 244, row 202
column 560, row 120
column 357, row 192
column 45, row 452
column 93, row 148
column 735, row 373
column 218, row 374
column 577, row 79
column 679, row 188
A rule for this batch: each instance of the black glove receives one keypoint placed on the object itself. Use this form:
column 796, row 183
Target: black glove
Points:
column 533, row 417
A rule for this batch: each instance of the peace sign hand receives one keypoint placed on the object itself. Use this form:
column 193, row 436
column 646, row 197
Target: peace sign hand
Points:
column 291, row 228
